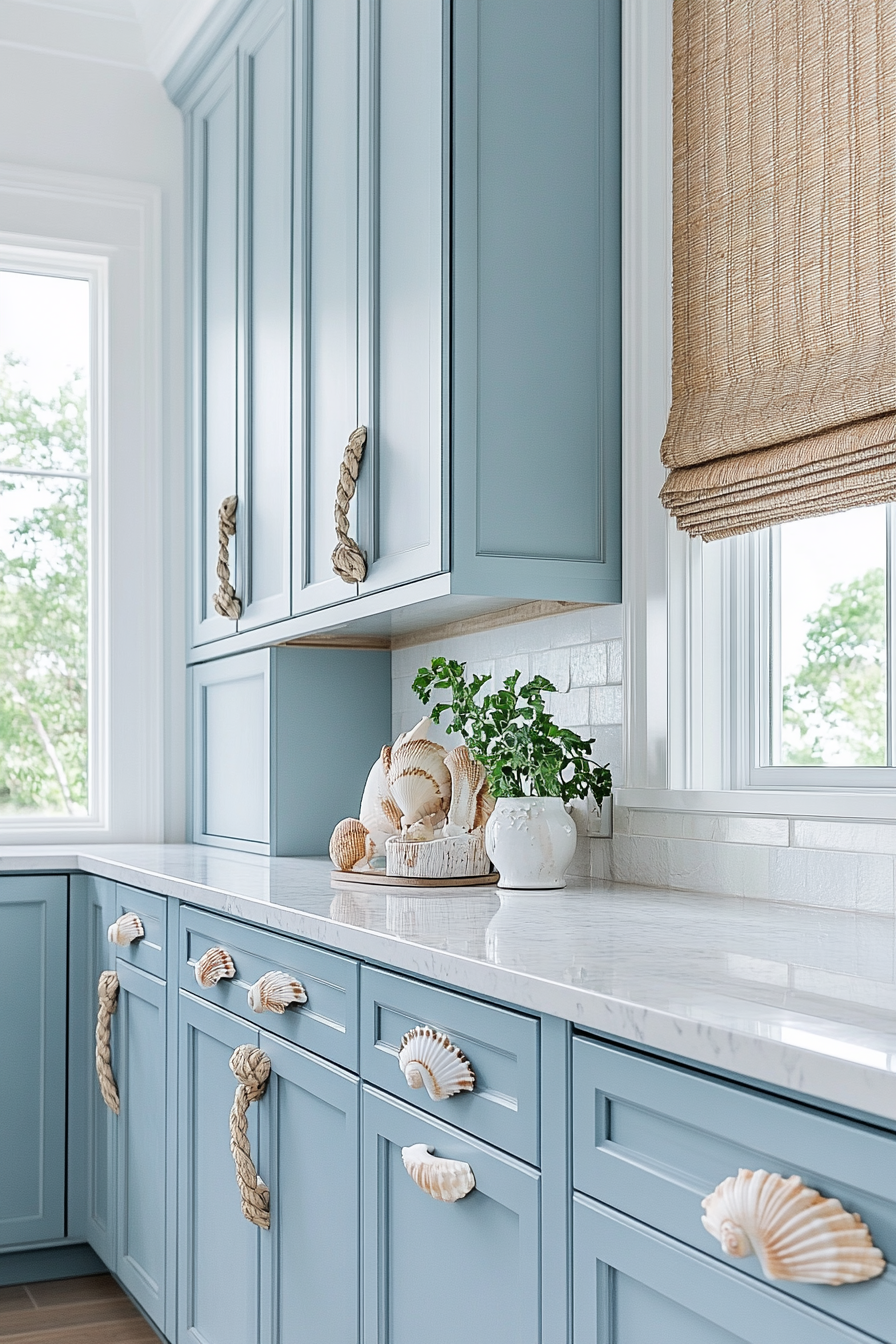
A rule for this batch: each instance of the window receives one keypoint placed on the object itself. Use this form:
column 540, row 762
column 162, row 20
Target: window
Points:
column 826, row 710
column 48, row 552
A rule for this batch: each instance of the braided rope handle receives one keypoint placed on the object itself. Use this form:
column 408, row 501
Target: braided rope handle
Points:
column 107, row 994
column 348, row 558
column 251, row 1068
column 225, row 600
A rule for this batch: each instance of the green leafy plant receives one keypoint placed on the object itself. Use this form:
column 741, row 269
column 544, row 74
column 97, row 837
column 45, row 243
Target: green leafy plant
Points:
column 510, row 732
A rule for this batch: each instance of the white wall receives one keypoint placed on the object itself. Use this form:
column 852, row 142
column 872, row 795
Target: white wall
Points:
column 75, row 97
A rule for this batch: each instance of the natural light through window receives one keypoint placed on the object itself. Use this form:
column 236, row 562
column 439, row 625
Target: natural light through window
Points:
column 45, row 501
column 829, row 683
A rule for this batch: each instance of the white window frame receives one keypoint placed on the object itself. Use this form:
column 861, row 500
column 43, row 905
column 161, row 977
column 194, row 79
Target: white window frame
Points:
column 109, row 231
column 95, row 271
column 691, row 642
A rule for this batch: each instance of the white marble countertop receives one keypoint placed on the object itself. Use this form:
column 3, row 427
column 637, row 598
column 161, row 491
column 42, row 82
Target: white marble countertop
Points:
column 793, row 996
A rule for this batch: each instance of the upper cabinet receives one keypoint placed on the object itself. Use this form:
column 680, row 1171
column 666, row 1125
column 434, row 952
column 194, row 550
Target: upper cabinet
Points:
column 404, row 217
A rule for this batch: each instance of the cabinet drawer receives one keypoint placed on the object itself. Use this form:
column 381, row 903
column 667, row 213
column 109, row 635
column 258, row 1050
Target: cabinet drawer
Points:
column 327, row 1024
column 479, row 1254
column 632, row 1285
column 149, row 951
column 653, row 1140
column 502, row 1048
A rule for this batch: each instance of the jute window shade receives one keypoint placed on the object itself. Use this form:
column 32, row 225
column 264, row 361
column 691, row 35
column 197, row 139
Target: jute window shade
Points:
column 784, row 261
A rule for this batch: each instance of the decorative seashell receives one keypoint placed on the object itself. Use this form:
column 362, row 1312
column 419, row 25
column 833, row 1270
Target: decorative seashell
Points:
column 419, row 781
column 274, row 992
column 796, row 1233
column 214, row 965
column 467, row 783
column 126, row 929
column 416, row 734
column 440, row 1177
column 485, row 806
column 379, row 812
column 428, row 1059
column 350, row 845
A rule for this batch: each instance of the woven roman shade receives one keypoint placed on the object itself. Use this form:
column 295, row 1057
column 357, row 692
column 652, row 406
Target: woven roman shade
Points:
column 784, row 261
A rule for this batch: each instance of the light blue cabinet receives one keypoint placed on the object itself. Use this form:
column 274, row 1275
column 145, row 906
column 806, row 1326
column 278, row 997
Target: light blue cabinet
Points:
column 239, row 139
column 33, row 980
column 268, row 726
column 636, row 1286
column 299, row 1279
column 100, row 1153
column 438, row 1271
column 405, row 215
column 139, row 1060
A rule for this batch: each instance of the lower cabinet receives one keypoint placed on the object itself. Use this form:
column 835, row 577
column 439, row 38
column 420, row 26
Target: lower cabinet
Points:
column 637, row 1286
column 438, row 1272
column 239, row 1284
column 33, row 957
column 139, row 1055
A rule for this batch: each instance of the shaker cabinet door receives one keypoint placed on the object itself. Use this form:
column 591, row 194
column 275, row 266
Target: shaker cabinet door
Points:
column 138, row 1060
column 102, row 1125
column 33, row 974
column 309, row 1155
column 213, row 150
column 218, row 1289
column 265, row 306
column 403, row 372
column 326, row 291
column 443, row 1271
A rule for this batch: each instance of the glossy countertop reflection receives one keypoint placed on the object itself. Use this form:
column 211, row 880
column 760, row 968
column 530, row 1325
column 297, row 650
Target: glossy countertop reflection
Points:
column 794, row 996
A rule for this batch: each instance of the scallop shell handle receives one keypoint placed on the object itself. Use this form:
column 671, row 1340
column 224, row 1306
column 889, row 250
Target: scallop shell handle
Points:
column 274, row 992
column 441, row 1177
column 796, row 1233
column 214, row 965
column 126, row 929
column 428, row 1059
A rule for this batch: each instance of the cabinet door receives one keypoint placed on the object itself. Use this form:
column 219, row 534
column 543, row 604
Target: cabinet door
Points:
column 326, row 289
column 309, row 1155
column 405, row 82
column 33, row 975
column 213, row 146
column 102, row 1125
column 138, row 1058
column 439, row 1271
column 265, row 377
column 217, row 1247
column 633, row 1285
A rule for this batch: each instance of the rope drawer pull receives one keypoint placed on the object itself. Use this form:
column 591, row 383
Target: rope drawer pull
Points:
column 348, row 558
column 251, row 1068
column 107, row 993
column 225, row 600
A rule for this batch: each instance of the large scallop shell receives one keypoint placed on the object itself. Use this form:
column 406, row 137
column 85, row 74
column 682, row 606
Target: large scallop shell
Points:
column 126, row 929
column 419, row 781
column 796, row 1233
column 351, row 845
column 214, row 965
column 440, row 1177
column 428, row 1059
column 468, row 783
column 274, row 992
column 379, row 811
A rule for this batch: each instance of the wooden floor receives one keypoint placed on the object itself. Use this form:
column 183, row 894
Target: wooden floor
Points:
column 71, row 1311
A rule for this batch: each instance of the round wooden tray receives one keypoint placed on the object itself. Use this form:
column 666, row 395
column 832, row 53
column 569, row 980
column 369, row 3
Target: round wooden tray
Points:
column 383, row 880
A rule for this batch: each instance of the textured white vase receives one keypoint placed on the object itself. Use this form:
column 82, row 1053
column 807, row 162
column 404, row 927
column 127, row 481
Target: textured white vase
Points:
column 531, row 842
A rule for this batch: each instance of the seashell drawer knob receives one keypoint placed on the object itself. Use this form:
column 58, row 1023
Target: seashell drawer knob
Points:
column 126, row 929
column 440, row 1177
column 274, row 992
column 428, row 1059
column 754, row 1186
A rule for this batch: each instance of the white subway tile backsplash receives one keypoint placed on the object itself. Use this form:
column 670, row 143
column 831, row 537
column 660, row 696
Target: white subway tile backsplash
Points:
column 614, row 660
column 569, row 709
column 606, row 705
column 553, row 664
column 505, row 667
column 706, row 826
column 588, row 665
column 861, row 836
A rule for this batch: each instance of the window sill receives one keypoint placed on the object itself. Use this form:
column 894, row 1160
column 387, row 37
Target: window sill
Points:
column 852, row 804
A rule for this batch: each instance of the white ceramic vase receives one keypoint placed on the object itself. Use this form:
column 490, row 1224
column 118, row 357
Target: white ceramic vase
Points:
column 531, row 842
